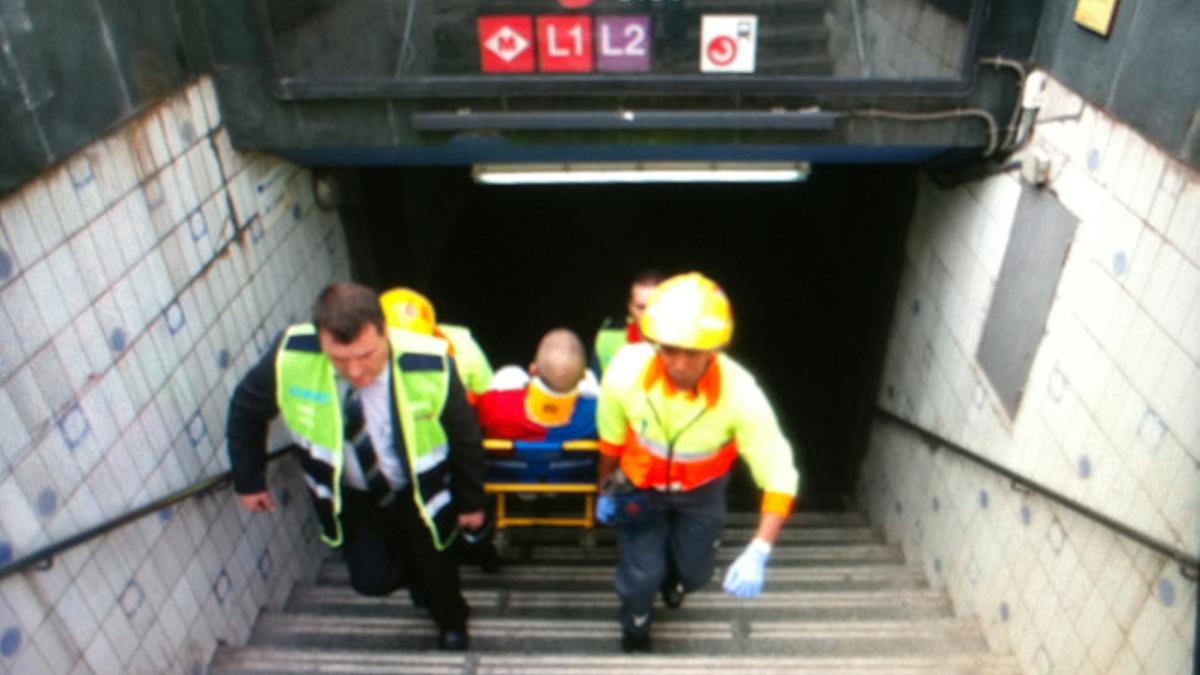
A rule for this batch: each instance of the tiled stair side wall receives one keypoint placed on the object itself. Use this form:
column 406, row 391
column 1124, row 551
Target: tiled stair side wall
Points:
column 138, row 282
column 1110, row 414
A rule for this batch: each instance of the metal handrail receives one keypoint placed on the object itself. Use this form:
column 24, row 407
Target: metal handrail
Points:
column 43, row 557
column 1188, row 564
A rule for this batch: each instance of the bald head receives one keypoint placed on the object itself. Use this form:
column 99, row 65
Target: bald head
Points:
column 560, row 360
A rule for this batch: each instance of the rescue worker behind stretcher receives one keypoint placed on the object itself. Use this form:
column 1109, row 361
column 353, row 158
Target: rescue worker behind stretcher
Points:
column 407, row 309
column 673, row 416
column 614, row 334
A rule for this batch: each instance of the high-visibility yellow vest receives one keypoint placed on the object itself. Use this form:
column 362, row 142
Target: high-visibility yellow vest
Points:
column 669, row 439
column 473, row 367
column 309, row 401
column 609, row 339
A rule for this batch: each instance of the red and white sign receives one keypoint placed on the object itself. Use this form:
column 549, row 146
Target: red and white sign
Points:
column 728, row 43
column 574, row 4
column 506, row 44
column 564, row 43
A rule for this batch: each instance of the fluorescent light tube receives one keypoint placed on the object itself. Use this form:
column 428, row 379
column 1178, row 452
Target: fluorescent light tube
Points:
column 640, row 172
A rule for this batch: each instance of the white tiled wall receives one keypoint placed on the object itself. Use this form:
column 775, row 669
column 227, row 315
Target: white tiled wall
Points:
column 1110, row 414
column 137, row 283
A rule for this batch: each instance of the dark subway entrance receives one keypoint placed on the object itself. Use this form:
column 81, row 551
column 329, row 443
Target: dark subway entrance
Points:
column 810, row 269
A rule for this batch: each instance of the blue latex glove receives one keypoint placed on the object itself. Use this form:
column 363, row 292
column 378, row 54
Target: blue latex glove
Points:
column 606, row 509
column 745, row 576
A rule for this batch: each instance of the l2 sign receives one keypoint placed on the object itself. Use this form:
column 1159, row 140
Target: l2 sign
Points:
column 623, row 43
column 728, row 43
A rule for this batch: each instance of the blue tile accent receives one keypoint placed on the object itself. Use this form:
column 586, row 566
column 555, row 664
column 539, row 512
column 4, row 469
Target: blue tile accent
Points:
column 153, row 192
column 47, row 502
column 256, row 230
column 265, row 564
column 165, row 514
column 198, row 226
column 174, row 317
column 6, row 552
column 1026, row 514
column 1093, row 160
column 131, row 598
column 222, row 586
column 196, row 429
column 261, row 343
column 84, row 180
column 10, row 644
column 1120, row 263
column 73, row 426
column 6, row 265
column 188, row 131
column 937, row 504
column 1166, row 592
column 223, row 359
column 983, row 499
column 296, row 212
column 117, row 340
column 1004, row 613
column 1085, row 467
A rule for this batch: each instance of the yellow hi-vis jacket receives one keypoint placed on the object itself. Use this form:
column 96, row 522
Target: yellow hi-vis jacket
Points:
column 472, row 364
column 668, row 439
column 307, row 393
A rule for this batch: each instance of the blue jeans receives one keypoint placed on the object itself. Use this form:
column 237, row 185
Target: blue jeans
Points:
column 680, row 537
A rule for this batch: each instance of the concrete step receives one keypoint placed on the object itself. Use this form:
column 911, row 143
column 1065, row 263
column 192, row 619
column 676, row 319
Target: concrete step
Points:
column 296, row 661
column 600, row 577
column 712, row 603
column 733, row 535
column 671, row 635
column 861, row 554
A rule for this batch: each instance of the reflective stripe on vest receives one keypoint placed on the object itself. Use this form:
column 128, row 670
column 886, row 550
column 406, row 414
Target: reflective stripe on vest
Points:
column 651, row 464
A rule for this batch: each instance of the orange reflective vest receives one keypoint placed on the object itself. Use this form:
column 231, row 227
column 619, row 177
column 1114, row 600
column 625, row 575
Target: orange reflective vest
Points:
column 668, row 439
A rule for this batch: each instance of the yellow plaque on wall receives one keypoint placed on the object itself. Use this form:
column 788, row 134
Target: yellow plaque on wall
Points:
column 1096, row 15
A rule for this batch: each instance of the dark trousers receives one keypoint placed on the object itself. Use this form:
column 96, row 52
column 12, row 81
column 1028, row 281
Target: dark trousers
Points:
column 389, row 547
column 682, row 532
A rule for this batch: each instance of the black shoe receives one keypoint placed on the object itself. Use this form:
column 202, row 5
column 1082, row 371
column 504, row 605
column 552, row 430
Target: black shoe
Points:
column 672, row 592
column 452, row 640
column 633, row 643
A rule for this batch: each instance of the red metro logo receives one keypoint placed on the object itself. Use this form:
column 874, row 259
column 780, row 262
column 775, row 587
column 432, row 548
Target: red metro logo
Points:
column 574, row 4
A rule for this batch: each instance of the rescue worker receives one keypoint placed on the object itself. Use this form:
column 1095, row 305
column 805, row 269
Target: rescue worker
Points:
column 673, row 416
column 389, row 447
column 614, row 334
column 407, row 309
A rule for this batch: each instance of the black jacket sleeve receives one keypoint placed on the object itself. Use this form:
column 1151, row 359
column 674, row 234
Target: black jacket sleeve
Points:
column 251, row 409
column 466, row 447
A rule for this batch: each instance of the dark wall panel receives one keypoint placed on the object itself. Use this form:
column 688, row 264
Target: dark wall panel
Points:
column 1144, row 72
column 78, row 68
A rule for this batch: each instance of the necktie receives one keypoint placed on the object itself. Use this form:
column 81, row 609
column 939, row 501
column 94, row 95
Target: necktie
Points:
column 364, row 449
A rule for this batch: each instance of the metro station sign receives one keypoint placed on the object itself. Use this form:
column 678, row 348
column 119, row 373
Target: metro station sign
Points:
column 506, row 44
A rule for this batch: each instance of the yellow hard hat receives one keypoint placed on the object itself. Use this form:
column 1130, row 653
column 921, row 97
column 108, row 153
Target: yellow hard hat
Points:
column 407, row 309
column 689, row 311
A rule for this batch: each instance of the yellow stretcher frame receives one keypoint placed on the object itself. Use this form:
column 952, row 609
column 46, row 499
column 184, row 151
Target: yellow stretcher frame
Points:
column 502, row 490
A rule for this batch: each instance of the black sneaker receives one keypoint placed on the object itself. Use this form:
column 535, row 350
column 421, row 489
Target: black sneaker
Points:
column 633, row 643
column 672, row 592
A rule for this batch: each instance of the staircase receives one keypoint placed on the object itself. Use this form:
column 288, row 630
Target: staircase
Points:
column 838, row 600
